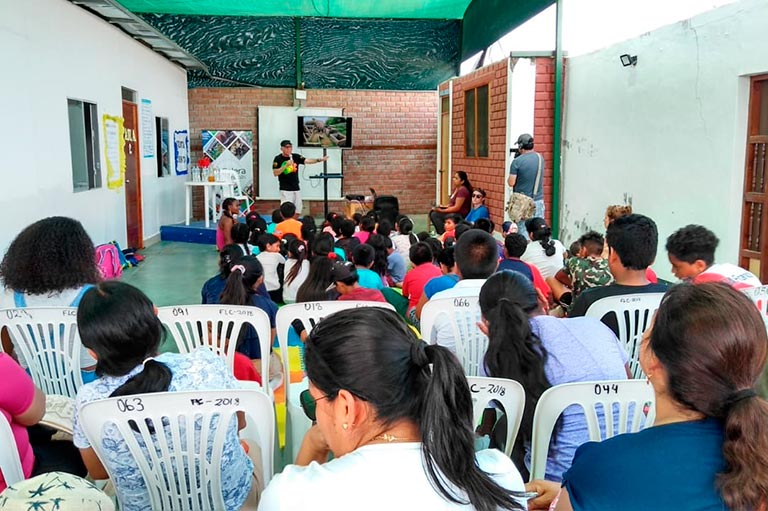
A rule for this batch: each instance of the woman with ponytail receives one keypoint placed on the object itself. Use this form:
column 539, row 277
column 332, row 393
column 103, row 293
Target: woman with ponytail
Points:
column 397, row 415
column 541, row 351
column 296, row 269
column 708, row 449
column 119, row 327
column 543, row 252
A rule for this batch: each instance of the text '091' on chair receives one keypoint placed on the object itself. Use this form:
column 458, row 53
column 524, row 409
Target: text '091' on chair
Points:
column 759, row 295
column 463, row 314
column 508, row 393
column 218, row 327
column 634, row 313
column 181, row 466
column 47, row 339
column 10, row 462
column 610, row 408
column 310, row 313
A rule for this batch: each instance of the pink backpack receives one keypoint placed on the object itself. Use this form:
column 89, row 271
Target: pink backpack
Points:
column 108, row 261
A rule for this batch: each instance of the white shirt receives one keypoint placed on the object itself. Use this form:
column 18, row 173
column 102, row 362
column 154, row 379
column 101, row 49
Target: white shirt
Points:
column 379, row 477
column 270, row 262
column 442, row 332
column 547, row 265
column 291, row 288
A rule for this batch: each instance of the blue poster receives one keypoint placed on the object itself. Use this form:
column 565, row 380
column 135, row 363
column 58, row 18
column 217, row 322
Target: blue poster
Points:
column 181, row 151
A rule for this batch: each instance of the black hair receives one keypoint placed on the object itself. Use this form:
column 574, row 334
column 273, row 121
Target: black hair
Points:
column 363, row 255
column 454, row 217
column 277, row 216
column 225, row 204
column 691, row 243
column 476, row 254
column 296, row 250
column 435, row 245
column 422, row 235
column 243, row 275
column 445, row 257
column 515, row 244
column 634, row 238
column 420, row 253
column 575, row 248
column 384, row 228
column 506, row 301
column 380, row 255
column 484, row 224
column 372, row 353
column 541, row 232
column 368, row 223
column 405, row 226
column 228, row 256
column 318, row 279
column 356, row 218
column 52, row 254
column 240, row 233
column 118, row 322
column 308, row 228
column 322, row 245
column 258, row 227
column 465, row 180
column 592, row 242
column 461, row 228
column 266, row 239
column 346, row 228
column 287, row 210
column 334, row 221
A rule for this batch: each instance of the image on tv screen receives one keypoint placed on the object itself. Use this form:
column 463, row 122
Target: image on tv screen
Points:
column 329, row 132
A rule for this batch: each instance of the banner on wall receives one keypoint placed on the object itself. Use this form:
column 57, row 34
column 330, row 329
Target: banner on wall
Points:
column 229, row 149
column 114, row 150
column 181, row 151
column 147, row 129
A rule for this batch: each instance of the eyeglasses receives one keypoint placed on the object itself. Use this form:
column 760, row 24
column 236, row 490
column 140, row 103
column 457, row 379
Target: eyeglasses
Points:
column 477, row 195
column 309, row 404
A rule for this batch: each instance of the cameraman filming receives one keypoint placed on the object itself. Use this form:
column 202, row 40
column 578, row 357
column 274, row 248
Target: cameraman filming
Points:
column 523, row 172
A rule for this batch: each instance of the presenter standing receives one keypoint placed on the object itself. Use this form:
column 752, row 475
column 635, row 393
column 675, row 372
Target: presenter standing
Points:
column 286, row 167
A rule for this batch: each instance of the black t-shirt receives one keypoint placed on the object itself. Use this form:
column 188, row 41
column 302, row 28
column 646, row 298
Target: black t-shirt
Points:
column 590, row 296
column 288, row 182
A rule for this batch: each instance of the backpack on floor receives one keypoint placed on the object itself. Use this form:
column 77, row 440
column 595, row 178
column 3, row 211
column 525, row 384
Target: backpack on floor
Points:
column 108, row 261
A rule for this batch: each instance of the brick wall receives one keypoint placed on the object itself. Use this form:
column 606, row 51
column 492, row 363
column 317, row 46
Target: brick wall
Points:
column 395, row 137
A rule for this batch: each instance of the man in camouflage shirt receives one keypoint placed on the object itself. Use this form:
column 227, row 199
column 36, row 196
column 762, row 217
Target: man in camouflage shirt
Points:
column 588, row 269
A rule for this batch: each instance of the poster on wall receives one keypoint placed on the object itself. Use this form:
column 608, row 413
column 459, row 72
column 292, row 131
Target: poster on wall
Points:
column 181, row 151
column 229, row 149
column 147, row 129
column 114, row 149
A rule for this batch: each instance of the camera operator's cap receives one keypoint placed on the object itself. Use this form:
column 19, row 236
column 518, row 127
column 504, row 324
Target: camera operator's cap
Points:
column 285, row 143
column 524, row 139
column 341, row 271
column 508, row 228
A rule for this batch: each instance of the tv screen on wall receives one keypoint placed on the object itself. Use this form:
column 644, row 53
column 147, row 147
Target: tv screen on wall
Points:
column 325, row 132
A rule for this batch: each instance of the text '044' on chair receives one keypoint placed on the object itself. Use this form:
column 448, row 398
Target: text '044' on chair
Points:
column 10, row 462
column 633, row 315
column 610, row 408
column 218, row 327
column 463, row 314
column 759, row 295
column 509, row 393
column 180, row 468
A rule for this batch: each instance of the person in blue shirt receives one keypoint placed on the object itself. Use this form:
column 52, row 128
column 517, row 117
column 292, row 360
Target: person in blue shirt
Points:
column 213, row 287
column 479, row 210
column 708, row 447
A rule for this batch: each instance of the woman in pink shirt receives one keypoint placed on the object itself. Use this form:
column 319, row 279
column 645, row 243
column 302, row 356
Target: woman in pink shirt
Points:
column 415, row 280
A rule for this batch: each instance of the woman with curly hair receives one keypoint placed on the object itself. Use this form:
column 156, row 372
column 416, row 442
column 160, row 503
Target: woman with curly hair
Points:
column 51, row 263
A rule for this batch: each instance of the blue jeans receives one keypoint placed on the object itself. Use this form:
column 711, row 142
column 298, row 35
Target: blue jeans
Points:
column 538, row 211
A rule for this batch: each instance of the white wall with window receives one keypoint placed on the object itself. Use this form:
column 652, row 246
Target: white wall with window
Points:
column 668, row 134
column 61, row 63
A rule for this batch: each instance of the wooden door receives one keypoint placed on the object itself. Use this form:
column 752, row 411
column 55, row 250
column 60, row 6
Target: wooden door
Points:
column 445, row 147
column 133, row 221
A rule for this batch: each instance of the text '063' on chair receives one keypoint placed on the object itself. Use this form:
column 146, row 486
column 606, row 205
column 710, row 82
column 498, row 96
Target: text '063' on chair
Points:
column 509, row 393
column 181, row 466
column 463, row 314
column 218, row 327
column 10, row 462
column 310, row 313
column 633, row 315
column 610, row 408
column 759, row 295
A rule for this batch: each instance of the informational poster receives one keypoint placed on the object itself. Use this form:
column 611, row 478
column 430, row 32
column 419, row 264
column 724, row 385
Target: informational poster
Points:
column 229, row 149
column 181, row 151
column 114, row 150
column 147, row 129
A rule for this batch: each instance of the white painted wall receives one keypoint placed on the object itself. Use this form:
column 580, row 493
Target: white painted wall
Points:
column 54, row 50
column 521, row 91
column 668, row 135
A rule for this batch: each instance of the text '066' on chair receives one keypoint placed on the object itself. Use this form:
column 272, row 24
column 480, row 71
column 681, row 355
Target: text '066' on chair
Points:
column 508, row 393
column 181, row 466
column 218, row 327
column 463, row 314
column 633, row 315
column 759, row 295
column 310, row 313
column 10, row 462
column 610, row 408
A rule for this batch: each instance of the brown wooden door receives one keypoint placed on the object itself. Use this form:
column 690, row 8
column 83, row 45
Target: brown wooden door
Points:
column 754, row 222
column 445, row 145
column 133, row 223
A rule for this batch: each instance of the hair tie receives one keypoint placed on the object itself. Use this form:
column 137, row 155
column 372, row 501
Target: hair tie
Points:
column 144, row 363
column 239, row 267
column 300, row 248
column 739, row 395
column 419, row 354
column 332, row 255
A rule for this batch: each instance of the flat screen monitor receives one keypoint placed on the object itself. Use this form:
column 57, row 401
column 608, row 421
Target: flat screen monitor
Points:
column 325, row 132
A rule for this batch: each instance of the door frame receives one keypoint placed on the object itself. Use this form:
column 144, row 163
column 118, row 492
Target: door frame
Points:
column 136, row 156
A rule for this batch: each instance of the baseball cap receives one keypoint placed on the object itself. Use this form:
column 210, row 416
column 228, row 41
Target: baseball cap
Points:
column 524, row 139
column 508, row 228
column 341, row 271
column 285, row 143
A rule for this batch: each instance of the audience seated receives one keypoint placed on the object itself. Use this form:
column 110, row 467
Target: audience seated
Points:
column 583, row 270
column 289, row 225
column 539, row 351
column 363, row 256
column 347, row 240
column 422, row 272
column 367, row 226
column 240, row 235
column 459, row 203
column 514, row 247
column 543, row 252
column 397, row 416
column 479, row 209
column 230, row 208
column 273, row 263
column 446, row 280
column 296, row 269
column 345, row 281
column 396, row 266
column 403, row 238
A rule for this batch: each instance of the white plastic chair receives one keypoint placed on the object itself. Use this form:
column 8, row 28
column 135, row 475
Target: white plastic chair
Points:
column 166, row 465
column 633, row 315
column 217, row 327
column 10, row 462
column 509, row 393
column 615, row 401
column 300, row 423
column 463, row 313
column 47, row 340
column 231, row 176
column 759, row 295
column 310, row 313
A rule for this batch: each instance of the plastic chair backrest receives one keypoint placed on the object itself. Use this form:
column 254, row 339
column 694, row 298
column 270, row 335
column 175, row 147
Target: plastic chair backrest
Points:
column 620, row 403
column 634, row 313
column 217, row 327
column 10, row 462
column 463, row 313
column 300, row 423
column 166, row 465
column 231, row 176
column 759, row 295
column 50, row 345
column 509, row 393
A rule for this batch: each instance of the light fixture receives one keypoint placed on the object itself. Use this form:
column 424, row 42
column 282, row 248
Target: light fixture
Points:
column 628, row 60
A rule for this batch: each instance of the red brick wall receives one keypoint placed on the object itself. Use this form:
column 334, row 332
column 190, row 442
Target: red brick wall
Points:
column 395, row 143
